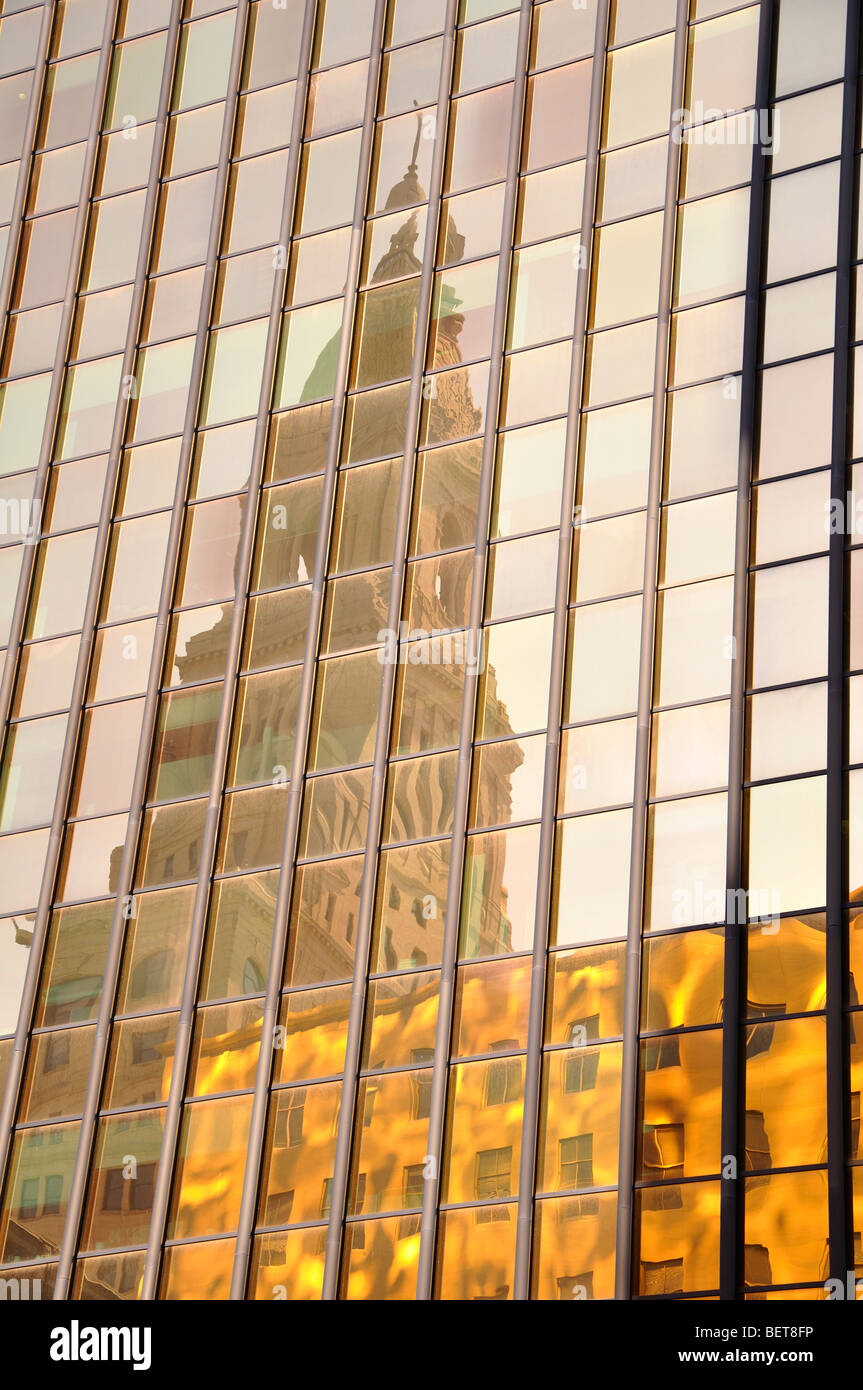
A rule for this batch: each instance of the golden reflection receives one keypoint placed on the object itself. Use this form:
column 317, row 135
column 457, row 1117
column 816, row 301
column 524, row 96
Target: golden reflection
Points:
column 677, row 1242
column 680, row 1106
column 298, row 1154
column 484, row 1130
column 288, row 1266
column 857, row 1184
column 391, row 1141
column 352, row 615
column 574, row 1245
column 578, row 1144
column 855, row 1026
column 381, row 1259
column 207, row 1183
column 786, row 1228
column 855, row 954
column 787, row 966
column 491, row 1007
column 310, row 1040
column 476, row 1254
column 682, row 980
column 585, row 994
column 35, row 1282
column 198, row 1272
column 225, row 1047
column 401, row 1014
column 786, row 1093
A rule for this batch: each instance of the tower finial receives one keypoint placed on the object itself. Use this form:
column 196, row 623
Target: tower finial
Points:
column 408, row 190
column 412, row 167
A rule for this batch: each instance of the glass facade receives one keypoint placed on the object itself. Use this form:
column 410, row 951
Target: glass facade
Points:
column 429, row 878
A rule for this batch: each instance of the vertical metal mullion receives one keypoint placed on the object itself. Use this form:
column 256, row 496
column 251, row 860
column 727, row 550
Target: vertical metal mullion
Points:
column 838, row 1061
column 82, row 672
column 34, row 963
column 258, row 1121
column 449, row 950
column 152, row 697
column 16, row 226
column 734, row 967
column 365, row 912
column 545, row 871
column 641, row 783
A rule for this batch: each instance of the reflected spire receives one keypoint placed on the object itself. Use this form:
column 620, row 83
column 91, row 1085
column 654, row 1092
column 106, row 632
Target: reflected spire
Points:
column 409, row 190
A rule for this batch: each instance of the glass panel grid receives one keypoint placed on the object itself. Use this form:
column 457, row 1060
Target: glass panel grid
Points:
column 420, row 422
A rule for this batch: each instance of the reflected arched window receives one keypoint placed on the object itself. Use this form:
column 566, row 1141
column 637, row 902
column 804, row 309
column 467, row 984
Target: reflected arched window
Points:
column 151, row 975
column 253, row 979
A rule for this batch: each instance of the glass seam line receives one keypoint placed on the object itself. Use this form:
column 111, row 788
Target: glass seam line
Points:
column 260, row 1103
column 841, row 1241
column 735, row 859
column 82, row 672
column 173, row 1108
column 545, row 862
column 16, row 1066
column 449, row 948
column 629, row 1073
column 37, row 93
column 734, row 968
column 365, row 911
column 58, row 373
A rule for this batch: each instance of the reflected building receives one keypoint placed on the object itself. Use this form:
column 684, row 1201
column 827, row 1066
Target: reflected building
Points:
column 428, row 687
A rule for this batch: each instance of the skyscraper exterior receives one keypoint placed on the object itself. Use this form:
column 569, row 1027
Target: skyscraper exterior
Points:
column 431, row 698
